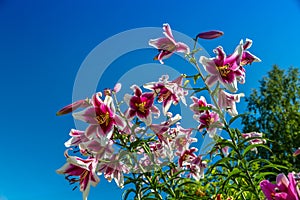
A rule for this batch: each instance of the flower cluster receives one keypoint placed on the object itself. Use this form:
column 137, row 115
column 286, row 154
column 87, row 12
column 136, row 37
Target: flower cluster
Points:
column 118, row 142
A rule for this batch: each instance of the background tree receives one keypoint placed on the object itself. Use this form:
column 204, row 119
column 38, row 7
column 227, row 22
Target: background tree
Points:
column 274, row 111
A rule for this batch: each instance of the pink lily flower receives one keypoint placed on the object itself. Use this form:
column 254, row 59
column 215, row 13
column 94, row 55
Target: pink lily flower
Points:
column 247, row 58
column 164, row 127
column 210, row 121
column 167, row 45
column 187, row 156
column 114, row 169
column 198, row 104
column 74, row 106
column 256, row 140
column 100, row 148
column 117, row 87
column 225, row 151
column 77, row 137
column 140, row 105
column 168, row 92
column 159, row 151
column 100, row 116
column 183, row 138
column 85, row 169
column 297, row 152
column 210, row 34
column 223, row 68
column 227, row 101
column 284, row 189
column 195, row 164
column 197, row 167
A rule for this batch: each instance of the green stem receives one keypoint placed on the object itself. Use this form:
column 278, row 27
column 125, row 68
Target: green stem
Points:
column 156, row 193
column 169, row 186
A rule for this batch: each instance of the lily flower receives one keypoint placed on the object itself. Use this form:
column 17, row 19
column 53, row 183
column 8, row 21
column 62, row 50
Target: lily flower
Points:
column 197, row 168
column 77, row 137
column 210, row 34
column 225, row 151
column 85, row 169
column 100, row 116
column 183, row 138
column 223, row 68
column 297, row 152
column 256, row 140
column 167, row 45
column 227, row 101
column 194, row 163
column 199, row 103
column 210, row 121
column 147, row 163
column 100, row 148
column 284, row 189
column 247, row 57
column 168, row 92
column 164, row 127
column 160, row 150
column 113, row 169
column 74, row 106
column 140, row 105
column 187, row 156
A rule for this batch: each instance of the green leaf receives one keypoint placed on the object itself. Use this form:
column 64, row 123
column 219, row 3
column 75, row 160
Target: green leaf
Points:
column 187, row 183
column 252, row 146
column 234, row 172
column 127, row 192
column 262, row 175
column 259, row 161
column 221, row 162
column 272, row 166
column 196, row 90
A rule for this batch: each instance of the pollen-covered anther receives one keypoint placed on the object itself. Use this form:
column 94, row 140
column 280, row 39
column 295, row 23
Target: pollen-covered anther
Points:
column 224, row 70
column 83, row 175
column 141, row 106
column 104, row 118
column 164, row 96
column 210, row 120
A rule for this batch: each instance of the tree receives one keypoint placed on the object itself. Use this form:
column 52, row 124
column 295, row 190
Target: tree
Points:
column 274, row 111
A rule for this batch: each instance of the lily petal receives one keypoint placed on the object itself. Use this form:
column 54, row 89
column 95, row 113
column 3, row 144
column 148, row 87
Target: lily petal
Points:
column 88, row 115
column 181, row 47
column 168, row 32
column 208, row 64
column 211, row 80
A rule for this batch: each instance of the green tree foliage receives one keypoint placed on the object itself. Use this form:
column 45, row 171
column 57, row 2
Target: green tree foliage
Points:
column 274, row 111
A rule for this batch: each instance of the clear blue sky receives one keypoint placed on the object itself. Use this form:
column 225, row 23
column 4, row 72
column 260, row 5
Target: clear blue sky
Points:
column 42, row 46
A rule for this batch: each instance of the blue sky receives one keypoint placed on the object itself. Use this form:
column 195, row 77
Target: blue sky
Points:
column 43, row 44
